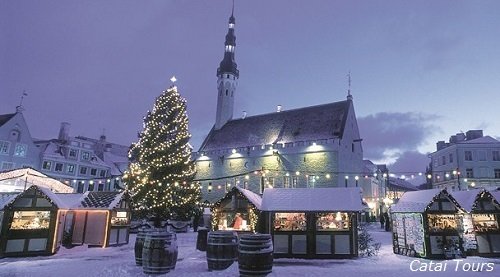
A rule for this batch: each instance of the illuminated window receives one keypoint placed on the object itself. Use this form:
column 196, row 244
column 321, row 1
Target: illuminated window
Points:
column 21, row 150
column 332, row 221
column 290, row 222
column 120, row 218
column 47, row 165
column 440, row 222
column 30, row 220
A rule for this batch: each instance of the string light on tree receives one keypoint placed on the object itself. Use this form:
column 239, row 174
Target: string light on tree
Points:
column 160, row 175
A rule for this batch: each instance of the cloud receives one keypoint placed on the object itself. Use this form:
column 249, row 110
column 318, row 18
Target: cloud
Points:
column 411, row 162
column 387, row 135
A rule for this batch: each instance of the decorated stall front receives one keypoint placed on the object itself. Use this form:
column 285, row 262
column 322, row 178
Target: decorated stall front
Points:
column 28, row 223
column 481, row 232
column 238, row 210
column 427, row 224
column 319, row 223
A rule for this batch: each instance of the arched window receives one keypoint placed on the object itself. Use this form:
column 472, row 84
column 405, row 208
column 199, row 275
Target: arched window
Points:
column 226, row 92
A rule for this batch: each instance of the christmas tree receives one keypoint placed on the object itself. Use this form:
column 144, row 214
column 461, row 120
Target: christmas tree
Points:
column 160, row 176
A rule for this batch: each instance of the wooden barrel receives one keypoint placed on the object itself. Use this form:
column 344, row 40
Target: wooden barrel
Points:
column 201, row 241
column 159, row 253
column 222, row 249
column 139, row 242
column 255, row 254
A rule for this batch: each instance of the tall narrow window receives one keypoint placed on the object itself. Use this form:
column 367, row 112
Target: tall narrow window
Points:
column 451, row 157
column 468, row 155
column 469, row 173
column 286, row 182
column 497, row 173
column 496, row 155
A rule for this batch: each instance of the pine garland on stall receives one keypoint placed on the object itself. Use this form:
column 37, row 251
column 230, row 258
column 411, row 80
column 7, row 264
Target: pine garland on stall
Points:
column 161, row 173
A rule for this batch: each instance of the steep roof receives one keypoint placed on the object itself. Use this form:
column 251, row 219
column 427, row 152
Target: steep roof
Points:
column 316, row 199
column 5, row 117
column 252, row 197
column 417, row 201
column 309, row 123
column 466, row 198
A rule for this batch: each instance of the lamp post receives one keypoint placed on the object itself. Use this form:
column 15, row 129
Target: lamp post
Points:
column 346, row 178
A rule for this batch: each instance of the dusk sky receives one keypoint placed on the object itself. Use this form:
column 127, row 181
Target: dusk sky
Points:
column 421, row 70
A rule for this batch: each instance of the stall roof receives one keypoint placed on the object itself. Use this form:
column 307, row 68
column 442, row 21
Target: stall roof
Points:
column 252, row 197
column 312, row 199
column 100, row 200
column 6, row 198
column 496, row 194
column 416, row 201
column 34, row 177
column 466, row 198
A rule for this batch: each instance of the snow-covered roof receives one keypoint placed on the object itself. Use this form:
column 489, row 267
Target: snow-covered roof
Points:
column 310, row 123
column 6, row 198
column 496, row 194
column 34, row 177
column 415, row 201
column 466, row 198
column 485, row 139
column 312, row 199
column 252, row 197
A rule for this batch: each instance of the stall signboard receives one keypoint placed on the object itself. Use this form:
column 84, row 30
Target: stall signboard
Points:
column 469, row 238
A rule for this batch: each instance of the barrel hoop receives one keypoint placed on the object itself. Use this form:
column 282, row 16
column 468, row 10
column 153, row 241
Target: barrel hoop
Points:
column 230, row 259
column 222, row 243
column 253, row 252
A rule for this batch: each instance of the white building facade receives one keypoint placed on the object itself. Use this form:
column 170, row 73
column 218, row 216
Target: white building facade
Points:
column 467, row 161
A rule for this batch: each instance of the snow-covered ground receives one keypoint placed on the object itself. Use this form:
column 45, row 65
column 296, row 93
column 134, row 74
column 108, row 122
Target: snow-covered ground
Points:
column 119, row 261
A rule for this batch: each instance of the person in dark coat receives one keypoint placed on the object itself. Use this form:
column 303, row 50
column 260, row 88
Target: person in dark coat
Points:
column 382, row 221
column 387, row 222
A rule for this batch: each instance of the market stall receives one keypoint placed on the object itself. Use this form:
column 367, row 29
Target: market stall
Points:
column 28, row 223
column 481, row 232
column 319, row 223
column 427, row 224
column 238, row 210
column 96, row 218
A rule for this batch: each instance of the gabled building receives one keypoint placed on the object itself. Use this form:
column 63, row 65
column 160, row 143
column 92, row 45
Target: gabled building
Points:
column 468, row 160
column 17, row 149
column 317, row 146
column 88, row 164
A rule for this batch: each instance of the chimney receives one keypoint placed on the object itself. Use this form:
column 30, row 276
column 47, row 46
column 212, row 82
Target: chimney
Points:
column 453, row 139
column 440, row 145
column 278, row 108
column 460, row 137
column 474, row 134
column 64, row 131
column 244, row 115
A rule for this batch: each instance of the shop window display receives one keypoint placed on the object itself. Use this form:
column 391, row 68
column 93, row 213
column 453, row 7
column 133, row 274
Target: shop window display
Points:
column 484, row 222
column 234, row 221
column 119, row 218
column 30, row 220
column 442, row 223
column 332, row 221
column 290, row 222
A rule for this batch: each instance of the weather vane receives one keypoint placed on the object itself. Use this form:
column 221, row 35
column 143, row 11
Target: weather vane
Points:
column 20, row 107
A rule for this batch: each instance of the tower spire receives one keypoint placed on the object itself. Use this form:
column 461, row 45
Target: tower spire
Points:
column 349, row 96
column 227, row 76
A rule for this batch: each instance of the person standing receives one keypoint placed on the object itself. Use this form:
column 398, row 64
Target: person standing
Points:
column 382, row 221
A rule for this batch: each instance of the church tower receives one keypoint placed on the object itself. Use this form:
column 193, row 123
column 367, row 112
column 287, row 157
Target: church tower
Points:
column 227, row 78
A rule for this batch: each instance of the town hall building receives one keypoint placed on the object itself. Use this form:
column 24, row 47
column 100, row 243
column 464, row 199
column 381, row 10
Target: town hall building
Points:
column 311, row 147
